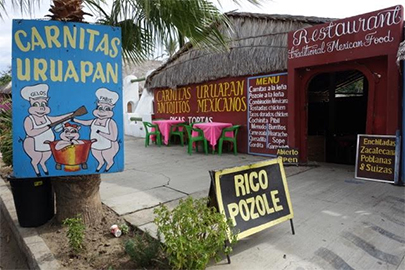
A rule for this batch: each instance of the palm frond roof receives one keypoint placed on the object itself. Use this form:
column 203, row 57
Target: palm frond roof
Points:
column 257, row 45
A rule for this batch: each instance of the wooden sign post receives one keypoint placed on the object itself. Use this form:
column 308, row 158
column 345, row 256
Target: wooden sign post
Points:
column 255, row 197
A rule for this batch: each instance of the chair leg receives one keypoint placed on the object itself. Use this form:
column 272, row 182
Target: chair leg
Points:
column 146, row 140
column 235, row 149
column 220, row 146
column 190, row 146
column 159, row 140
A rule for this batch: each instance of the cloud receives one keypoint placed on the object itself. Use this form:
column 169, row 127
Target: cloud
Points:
column 5, row 44
column 6, row 30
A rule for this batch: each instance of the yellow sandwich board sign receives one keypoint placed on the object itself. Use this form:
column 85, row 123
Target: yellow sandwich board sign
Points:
column 255, row 197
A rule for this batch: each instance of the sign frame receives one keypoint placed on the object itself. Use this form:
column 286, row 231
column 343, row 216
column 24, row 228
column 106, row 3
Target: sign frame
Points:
column 67, row 99
column 396, row 158
column 216, row 187
column 336, row 41
column 295, row 154
column 282, row 120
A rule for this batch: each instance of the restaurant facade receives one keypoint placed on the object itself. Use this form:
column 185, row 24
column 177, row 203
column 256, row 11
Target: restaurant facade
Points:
column 304, row 84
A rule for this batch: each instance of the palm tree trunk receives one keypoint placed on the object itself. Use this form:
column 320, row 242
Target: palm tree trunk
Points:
column 78, row 195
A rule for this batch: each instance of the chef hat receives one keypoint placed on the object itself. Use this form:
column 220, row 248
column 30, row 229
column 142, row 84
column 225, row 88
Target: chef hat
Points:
column 106, row 96
column 35, row 91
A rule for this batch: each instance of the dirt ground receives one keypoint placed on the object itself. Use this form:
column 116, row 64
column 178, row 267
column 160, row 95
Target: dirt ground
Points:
column 102, row 250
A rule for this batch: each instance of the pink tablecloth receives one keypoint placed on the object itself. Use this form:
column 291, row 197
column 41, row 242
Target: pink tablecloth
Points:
column 212, row 131
column 164, row 127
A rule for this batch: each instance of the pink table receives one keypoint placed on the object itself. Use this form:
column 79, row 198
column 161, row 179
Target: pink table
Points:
column 212, row 131
column 164, row 128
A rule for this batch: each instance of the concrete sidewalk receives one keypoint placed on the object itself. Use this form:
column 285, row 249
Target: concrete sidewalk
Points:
column 340, row 222
column 163, row 174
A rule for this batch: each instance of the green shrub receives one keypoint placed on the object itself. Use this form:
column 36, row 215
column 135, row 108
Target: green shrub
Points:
column 144, row 250
column 124, row 228
column 194, row 233
column 75, row 232
column 6, row 136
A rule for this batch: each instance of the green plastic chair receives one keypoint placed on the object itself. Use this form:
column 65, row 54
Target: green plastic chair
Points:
column 149, row 133
column 178, row 130
column 199, row 138
column 223, row 138
column 192, row 124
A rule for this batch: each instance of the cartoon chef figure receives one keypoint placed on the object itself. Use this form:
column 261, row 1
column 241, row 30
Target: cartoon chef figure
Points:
column 69, row 136
column 103, row 129
column 37, row 126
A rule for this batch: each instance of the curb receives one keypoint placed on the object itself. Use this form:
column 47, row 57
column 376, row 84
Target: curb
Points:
column 30, row 243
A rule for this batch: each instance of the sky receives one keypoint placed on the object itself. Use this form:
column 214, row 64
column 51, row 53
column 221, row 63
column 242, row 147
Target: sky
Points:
column 318, row 8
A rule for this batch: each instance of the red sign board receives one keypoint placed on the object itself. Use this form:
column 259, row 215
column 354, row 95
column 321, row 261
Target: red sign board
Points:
column 219, row 100
column 222, row 100
column 347, row 39
column 267, row 114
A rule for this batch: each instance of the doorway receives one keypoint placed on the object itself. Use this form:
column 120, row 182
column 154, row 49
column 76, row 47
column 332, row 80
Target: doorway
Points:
column 337, row 112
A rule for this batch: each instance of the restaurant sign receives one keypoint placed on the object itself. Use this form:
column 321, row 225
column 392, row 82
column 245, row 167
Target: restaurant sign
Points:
column 267, row 114
column 377, row 158
column 288, row 155
column 348, row 38
column 221, row 99
column 254, row 197
column 67, row 100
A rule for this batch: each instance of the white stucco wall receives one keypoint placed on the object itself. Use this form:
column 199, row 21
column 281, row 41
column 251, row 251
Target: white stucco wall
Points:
column 130, row 95
column 143, row 108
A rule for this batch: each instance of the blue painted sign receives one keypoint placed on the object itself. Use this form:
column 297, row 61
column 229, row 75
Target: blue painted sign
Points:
column 67, row 99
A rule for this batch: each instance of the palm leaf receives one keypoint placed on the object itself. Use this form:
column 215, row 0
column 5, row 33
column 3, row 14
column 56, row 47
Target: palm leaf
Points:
column 195, row 20
column 147, row 24
column 154, row 22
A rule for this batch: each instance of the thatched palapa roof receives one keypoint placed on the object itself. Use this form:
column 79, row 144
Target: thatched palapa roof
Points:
column 257, row 45
column 139, row 70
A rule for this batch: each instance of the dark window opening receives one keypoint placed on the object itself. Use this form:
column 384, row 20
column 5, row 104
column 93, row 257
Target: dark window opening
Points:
column 130, row 106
